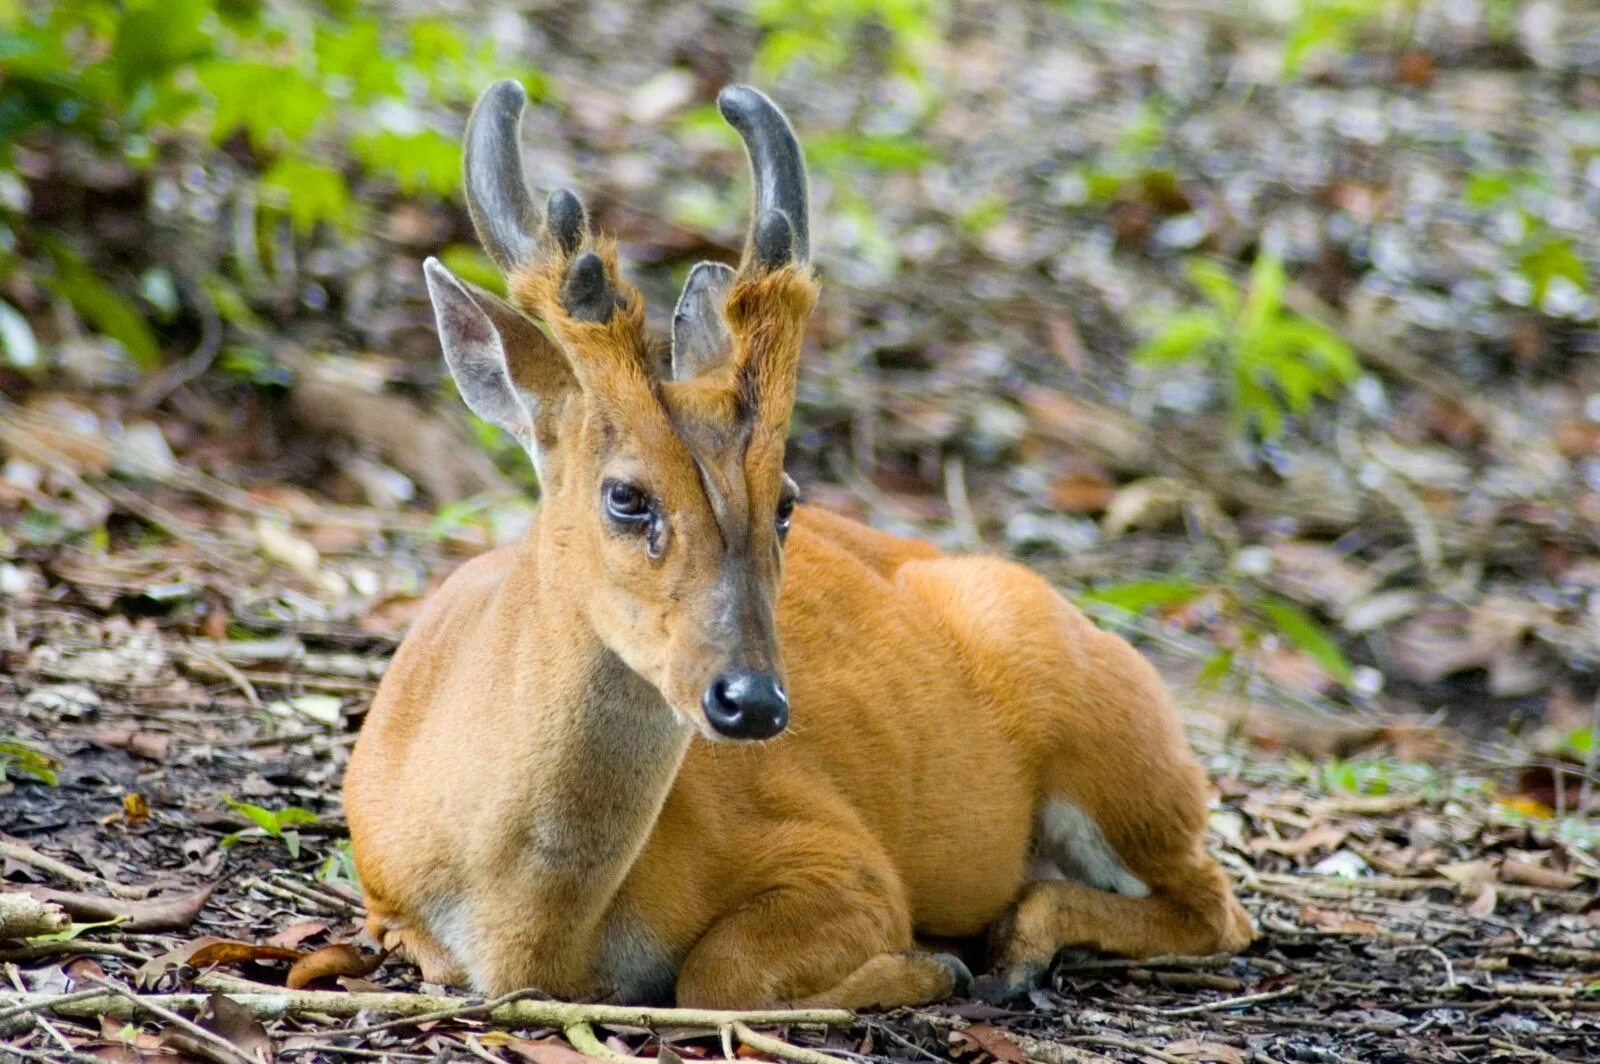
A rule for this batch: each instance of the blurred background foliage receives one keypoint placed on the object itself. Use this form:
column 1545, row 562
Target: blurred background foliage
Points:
column 1249, row 235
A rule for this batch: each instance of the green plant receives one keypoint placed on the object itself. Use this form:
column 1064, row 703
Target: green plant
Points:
column 339, row 866
column 304, row 95
column 279, row 824
column 1541, row 255
column 1252, row 617
column 1273, row 362
column 830, row 33
column 23, row 761
column 1330, row 26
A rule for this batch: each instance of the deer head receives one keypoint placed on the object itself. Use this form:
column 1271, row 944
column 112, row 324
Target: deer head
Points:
column 664, row 501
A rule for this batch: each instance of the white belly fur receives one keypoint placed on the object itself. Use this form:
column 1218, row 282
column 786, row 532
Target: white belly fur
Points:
column 1069, row 845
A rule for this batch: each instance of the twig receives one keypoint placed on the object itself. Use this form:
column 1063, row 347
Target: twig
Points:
column 1227, row 1004
column 1113, row 1042
column 585, row 1041
column 1449, row 969
column 22, row 852
column 294, row 892
column 44, row 1002
column 54, row 1032
column 273, row 1003
column 55, row 1056
column 955, row 493
column 227, row 1050
column 32, row 951
column 777, row 1047
column 477, row 1049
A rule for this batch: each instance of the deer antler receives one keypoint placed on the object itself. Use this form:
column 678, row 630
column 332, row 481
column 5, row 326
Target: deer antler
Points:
column 779, row 236
column 508, row 223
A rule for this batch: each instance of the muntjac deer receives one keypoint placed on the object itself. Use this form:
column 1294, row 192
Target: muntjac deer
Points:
column 689, row 739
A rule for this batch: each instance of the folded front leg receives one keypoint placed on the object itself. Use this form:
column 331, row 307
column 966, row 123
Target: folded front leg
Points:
column 837, row 935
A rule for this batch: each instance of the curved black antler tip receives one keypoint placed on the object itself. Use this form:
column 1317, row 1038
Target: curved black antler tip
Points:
column 738, row 101
column 774, row 240
column 507, row 92
column 563, row 213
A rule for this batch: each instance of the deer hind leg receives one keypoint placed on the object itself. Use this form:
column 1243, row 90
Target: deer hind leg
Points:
column 834, row 935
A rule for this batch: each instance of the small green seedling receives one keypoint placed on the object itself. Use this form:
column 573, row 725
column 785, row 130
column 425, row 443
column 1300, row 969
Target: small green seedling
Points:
column 1272, row 361
column 23, row 761
column 278, row 824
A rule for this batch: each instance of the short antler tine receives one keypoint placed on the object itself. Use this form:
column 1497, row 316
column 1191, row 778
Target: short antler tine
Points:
column 497, row 193
column 780, row 177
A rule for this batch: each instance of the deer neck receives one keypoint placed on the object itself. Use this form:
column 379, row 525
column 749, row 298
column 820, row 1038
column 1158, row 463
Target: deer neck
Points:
column 598, row 755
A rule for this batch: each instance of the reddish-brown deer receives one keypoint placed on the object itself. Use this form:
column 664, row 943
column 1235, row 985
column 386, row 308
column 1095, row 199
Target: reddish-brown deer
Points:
column 691, row 740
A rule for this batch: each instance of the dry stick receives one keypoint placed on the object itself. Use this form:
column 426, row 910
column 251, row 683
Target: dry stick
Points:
column 1228, row 1003
column 18, row 851
column 227, row 1051
column 289, row 892
column 476, row 1048
column 955, row 492
column 320, row 894
column 1113, row 1042
column 47, row 1001
column 511, row 1011
column 585, row 1041
column 55, row 1056
column 776, row 1047
column 24, row 916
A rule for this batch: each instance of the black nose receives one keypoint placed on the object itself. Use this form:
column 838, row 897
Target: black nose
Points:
column 742, row 704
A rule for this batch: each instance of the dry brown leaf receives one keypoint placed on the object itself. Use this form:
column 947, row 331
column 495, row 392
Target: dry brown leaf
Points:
column 230, row 1020
column 152, row 914
column 330, row 962
column 1536, row 875
column 1483, row 905
column 546, row 1051
column 1210, row 1052
column 148, row 745
column 230, row 951
column 295, row 934
column 1321, row 837
column 992, row 1041
column 1470, row 876
column 1336, row 922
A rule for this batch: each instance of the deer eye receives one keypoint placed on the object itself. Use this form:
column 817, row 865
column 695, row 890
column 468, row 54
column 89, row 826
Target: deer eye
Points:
column 785, row 513
column 625, row 503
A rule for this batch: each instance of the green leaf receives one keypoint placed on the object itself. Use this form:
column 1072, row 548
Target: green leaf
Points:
column 19, row 759
column 470, row 264
column 308, row 192
column 1549, row 260
column 275, row 104
column 1185, row 336
column 1297, row 626
column 110, row 312
column 1215, row 670
column 1140, row 595
column 1215, row 284
column 1265, row 298
column 877, row 152
column 427, row 161
column 76, row 929
column 273, row 822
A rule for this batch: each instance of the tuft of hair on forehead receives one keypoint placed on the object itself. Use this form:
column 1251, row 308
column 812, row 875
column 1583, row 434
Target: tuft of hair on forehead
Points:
column 612, row 356
column 767, row 316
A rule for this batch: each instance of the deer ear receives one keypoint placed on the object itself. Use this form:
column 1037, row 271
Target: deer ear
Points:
column 700, row 338
column 508, row 371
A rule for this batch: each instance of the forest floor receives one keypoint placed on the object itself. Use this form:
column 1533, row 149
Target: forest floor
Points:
column 1438, row 919
column 1384, row 626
